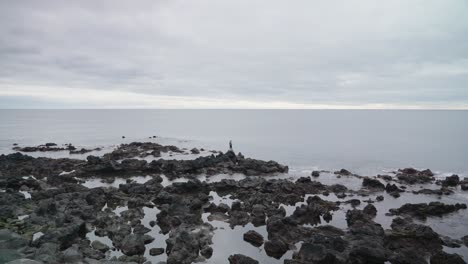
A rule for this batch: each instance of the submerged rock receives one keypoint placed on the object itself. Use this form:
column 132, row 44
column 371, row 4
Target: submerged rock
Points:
column 156, row 251
column 241, row 259
column 253, row 238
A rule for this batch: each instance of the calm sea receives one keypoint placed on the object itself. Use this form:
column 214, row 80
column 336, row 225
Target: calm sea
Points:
column 364, row 141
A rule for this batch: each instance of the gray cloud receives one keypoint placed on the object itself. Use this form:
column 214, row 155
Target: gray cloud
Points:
column 236, row 53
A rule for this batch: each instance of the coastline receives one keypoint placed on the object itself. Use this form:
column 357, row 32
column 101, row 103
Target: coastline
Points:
column 180, row 209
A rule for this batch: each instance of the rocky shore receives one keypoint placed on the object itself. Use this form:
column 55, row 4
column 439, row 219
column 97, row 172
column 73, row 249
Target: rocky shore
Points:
column 47, row 215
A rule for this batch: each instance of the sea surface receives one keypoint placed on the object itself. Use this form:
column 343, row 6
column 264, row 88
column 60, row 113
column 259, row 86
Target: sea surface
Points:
column 363, row 141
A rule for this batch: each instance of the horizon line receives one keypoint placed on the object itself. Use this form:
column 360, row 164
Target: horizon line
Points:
column 333, row 109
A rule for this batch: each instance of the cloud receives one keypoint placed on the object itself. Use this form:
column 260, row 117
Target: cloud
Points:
column 235, row 54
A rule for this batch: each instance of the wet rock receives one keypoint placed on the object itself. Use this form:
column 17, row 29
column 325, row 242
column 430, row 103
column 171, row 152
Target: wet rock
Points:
column 446, row 258
column 453, row 180
column 98, row 245
column 63, row 236
column 441, row 191
column 379, row 198
column 253, row 238
column 241, row 259
column 343, row 172
column 354, row 216
column 407, row 256
column 315, row 174
column 156, row 251
column 48, row 253
column 195, row 151
column 337, row 188
column 340, row 195
column 17, row 164
column 206, row 252
column 311, row 213
column 385, row 177
column 83, row 150
column 450, row 242
column 465, row 240
column 389, row 188
column 353, row 202
column 464, row 184
column 185, row 243
column 133, row 245
column 422, row 210
column 370, row 210
column 275, row 248
column 72, row 255
column 131, row 259
column 372, row 183
column 314, row 253
column 408, row 235
column 41, row 148
column 140, row 229
column 258, row 215
column 413, row 176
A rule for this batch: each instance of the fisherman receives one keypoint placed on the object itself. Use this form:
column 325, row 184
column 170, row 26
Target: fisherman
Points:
column 230, row 145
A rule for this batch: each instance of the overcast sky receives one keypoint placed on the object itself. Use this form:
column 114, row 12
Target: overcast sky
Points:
column 234, row 54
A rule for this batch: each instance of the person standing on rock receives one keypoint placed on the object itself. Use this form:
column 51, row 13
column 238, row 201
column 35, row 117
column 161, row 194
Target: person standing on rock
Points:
column 230, row 145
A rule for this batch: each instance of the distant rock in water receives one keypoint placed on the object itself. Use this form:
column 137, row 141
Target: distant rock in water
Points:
column 423, row 210
column 44, row 148
column 413, row 176
column 195, row 151
column 343, row 172
column 453, row 180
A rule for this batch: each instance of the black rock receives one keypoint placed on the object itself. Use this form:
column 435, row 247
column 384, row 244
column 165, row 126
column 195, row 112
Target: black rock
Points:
column 372, row 183
column 453, row 180
column 133, row 245
column 156, row 251
column 275, row 248
column 422, row 210
column 343, row 172
column 241, row 259
column 195, row 151
column 446, row 258
column 253, row 238
column 96, row 244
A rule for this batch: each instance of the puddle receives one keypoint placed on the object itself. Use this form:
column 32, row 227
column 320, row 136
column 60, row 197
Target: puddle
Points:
column 26, row 194
column 101, row 182
column 462, row 251
column 22, row 217
column 216, row 199
column 159, row 238
column 119, row 209
column 37, row 235
column 228, row 241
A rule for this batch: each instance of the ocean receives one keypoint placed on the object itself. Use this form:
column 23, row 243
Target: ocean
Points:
column 363, row 141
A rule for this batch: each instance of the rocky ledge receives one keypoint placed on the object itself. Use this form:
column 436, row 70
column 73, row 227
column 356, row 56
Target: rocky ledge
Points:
column 62, row 221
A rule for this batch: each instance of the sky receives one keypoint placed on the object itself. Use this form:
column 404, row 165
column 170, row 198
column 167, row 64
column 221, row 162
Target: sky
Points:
column 349, row 54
